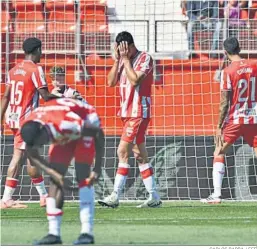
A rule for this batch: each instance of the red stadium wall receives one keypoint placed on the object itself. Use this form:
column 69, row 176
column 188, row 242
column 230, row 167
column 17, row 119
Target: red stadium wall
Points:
column 185, row 97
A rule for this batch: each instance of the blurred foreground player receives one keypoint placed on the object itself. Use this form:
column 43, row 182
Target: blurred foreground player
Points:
column 238, row 111
column 26, row 81
column 133, row 69
column 73, row 129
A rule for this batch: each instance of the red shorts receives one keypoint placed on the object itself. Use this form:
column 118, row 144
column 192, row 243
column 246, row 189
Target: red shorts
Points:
column 134, row 129
column 82, row 150
column 233, row 131
column 18, row 142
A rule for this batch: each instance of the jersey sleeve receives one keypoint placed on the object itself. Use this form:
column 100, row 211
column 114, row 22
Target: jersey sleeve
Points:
column 145, row 64
column 225, row 83
column 38, row 78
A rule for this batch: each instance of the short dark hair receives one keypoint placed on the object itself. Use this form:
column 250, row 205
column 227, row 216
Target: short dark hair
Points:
column 231, row 45
column 124, row 36
column 30, row 45
column 57, row 70
column 30, row 132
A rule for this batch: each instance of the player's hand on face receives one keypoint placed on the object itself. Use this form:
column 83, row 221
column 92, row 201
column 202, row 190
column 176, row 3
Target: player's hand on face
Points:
column 116, row 52
column 124, row 50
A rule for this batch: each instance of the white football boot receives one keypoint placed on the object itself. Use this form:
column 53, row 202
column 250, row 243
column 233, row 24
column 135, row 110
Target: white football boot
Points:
column 211, row 199
column 110, row 201
column 151, row 203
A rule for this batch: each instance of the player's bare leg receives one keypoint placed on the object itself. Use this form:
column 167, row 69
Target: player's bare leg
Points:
column 218, row 172
column 146, row 171
column 123, row 152
column 38, row 181
column 87, row 204
column 54, row 205
column 12, row 181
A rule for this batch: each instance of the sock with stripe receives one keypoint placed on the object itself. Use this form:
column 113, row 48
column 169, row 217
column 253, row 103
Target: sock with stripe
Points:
column 54, row 216
column 87, row 208
column 40, row 186
column 10, row 186
column 218, row 172
column 146, row 172
column 121, row 177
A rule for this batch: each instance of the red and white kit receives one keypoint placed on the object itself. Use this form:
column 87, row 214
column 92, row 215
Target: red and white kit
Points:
column 135, row 103
column 25, row 78
column 65, row 119
column 241, row 79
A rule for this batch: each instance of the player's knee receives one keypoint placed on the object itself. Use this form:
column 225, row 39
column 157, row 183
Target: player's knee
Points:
column 33, row 172
column 122, row 153
column 14, row 167
column 139, row 158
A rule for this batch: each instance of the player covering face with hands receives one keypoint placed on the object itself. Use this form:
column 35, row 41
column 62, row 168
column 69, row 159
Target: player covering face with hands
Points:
column 133, row 70
column 238, row 111
column 73, row 130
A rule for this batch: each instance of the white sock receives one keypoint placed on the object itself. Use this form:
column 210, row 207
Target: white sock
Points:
column 10, row 186
column 218, row 172
column 146, row 172
column 40, row 186
column 87, row 209
column 121, row 177
column 54, row 217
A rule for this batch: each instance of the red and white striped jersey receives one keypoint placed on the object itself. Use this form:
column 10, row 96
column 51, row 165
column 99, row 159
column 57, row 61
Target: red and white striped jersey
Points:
column 136, row 100
column 25, row 78
column 240, row 77
column 65, row 118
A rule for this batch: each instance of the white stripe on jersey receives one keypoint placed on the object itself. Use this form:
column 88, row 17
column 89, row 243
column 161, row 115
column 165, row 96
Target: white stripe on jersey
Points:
column 235, row 114
column 145, row 65
column 41, row 76
column 126, row 97
column 228, row 82
column 8, row 79
column 34, row 79
column 222, row 83
column 144, row 102
column 135, row 103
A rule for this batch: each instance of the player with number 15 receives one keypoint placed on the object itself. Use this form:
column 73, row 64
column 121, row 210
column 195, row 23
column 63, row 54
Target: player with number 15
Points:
column 25, row 82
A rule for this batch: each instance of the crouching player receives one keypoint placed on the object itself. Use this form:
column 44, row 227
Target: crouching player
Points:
column 73, row 129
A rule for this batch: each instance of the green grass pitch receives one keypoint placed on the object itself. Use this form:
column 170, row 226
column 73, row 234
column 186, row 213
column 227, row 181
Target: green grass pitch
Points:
column 176, row 223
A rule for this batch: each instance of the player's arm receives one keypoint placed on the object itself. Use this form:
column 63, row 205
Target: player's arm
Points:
column 225, row 88
column 38, row 78
column 223, row 108
column 46, row 95
column 41, row 163
column 113, row 74
column 5, row 102
column 136, row 76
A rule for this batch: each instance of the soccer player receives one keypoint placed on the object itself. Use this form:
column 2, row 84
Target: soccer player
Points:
column 57, row 74
column 25, row 83
column 238, row 111
column 73, row 129
column 133, row 69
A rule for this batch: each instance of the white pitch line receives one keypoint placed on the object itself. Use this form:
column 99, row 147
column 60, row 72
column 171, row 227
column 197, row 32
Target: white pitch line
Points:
column 154, row 219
